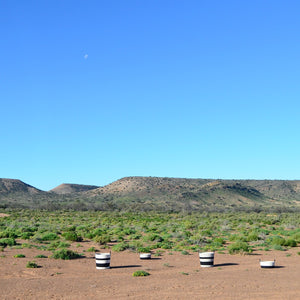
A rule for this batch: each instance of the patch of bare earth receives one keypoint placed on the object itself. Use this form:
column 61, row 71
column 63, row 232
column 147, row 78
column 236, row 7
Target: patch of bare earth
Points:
column 2, row 215
column 173, row 276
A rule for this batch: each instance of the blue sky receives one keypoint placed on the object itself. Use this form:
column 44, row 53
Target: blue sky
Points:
column 92, row 91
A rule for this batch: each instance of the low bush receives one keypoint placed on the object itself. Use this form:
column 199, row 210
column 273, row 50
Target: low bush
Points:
column 153, row 237
column 102, row 239
column 41, row 256
column 49, row 236
column 278, row 247
column 276, row 240
column 140, row 273
column 218, row 241
column 166, row 245
column 57, row 244
column 239, row 247
column 236, row 237
column 252, row 237
column 8, row 233
column 7, row 242
column 290, row 243
column 72, row 236
column 144, row 250
column 19, row 255
column 26, row 245
column 135, row 245
column 26, row 235
column 120, row 247
column 65, row 254
column 92, row 249
column 31, row 264
column 296, row 237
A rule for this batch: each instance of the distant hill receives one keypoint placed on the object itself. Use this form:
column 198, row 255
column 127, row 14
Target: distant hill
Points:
column 8, row 186
column 17, row 194
column 159, row 194
column 69, row 188
column 143, row 193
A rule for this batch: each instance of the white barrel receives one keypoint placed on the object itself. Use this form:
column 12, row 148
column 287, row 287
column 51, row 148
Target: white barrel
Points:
column 206, row 259
column 267, row 264
column 145, row 255
column 102, row 261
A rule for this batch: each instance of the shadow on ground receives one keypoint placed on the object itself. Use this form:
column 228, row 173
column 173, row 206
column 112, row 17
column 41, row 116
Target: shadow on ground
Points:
column 124, row 267
column 225, row 265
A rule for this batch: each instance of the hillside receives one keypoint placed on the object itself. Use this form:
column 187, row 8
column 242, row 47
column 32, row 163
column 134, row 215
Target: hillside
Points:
column 158, row 193
column 8, row 186
column 147, row 193
column 69, row 188
column 17, row 194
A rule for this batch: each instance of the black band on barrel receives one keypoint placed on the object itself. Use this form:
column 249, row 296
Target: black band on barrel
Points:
column 102, row 265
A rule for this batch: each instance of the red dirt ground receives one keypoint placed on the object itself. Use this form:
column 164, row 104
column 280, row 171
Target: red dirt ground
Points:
column 173, row 276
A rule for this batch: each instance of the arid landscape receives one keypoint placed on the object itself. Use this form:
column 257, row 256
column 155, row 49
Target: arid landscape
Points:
column 51, row 255
column 150, row 150
column 173, row 276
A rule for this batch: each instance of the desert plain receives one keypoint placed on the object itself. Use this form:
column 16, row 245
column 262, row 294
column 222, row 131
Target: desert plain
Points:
column 172, row 276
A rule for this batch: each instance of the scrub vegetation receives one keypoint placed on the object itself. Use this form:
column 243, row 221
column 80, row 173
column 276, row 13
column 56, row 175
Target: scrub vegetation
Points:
column 234, row 233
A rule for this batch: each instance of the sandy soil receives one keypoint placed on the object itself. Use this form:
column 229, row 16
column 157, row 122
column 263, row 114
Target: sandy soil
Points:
column 2, row 215
column 173, row 276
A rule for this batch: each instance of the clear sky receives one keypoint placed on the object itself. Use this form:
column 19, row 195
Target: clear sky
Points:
column 93, row 91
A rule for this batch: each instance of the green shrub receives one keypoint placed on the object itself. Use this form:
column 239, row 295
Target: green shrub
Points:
column 140, row 273
column 41, row 256
column 290, row 243
column 153, row 237
column 71, row 228
column 72, row 236
column 19, row 255
column 48, row 236
column 218, row 241
column 63, row 245
column 92, row 249
column 278, row 247
column 296, row 237
column 252, row 236
column 120, row 247
column 51, row 236
column 136, row 236
column 239, row 247
column 31, row 264
column 144, row 250
column 166, row 245
column 26, row 245
column 7, row 242
column 135, row 245
column 236, row 237
column 102, row 239
column 276, row 240
column 8, row 233
column 57, row 244
column 26, row 235
column 158, row 253
column 65, row 254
